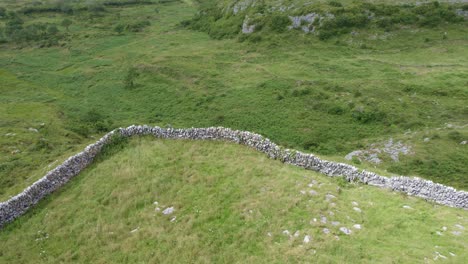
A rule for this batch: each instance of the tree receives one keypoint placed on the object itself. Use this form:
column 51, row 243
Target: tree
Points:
column 129, row 80
column 66, row 23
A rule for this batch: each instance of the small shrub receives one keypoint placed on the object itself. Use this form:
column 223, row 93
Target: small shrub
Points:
column 335, row 4
column 455, row 136
column 138, row 26
column 356, row 160
column 3, row 12
column 119, row 28
column 129, row 80
column 279, row 23
column 66, row 23
column 336, row 110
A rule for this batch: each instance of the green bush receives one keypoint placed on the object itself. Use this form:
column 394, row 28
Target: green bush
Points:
column 137, row 26
column 335, row 4
column 369, row 116
column 3, row 12
column 455, row 136
column 279, row 23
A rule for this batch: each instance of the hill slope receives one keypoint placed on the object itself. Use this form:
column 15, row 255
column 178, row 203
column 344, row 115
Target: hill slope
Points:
column 333, row 97
column 231, row 204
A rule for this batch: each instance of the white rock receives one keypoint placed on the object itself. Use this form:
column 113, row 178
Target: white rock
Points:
column 297, row 233
column 173, row 219
column 33, row 130
column 357, row 226
column 312, row 192
column 310, row 185
column 335, row 223
column 355, row 204
column 452, row 254
column 464, row 142
column 459, row 226
column 440, row 255
column 444, row 228
column 357, row 209
column 426, row 139
column 456, row 233
column 303, row 192
column 329, row 197
column 345, row 230
column 134, row 230
column 438, row 233
column 286, row 232
column 306, row 239
column 269, row 234
column 168, row 210
column 155, row 203
column 323, row 219
column 326, row 231
column 407, row 207
column 157, row 209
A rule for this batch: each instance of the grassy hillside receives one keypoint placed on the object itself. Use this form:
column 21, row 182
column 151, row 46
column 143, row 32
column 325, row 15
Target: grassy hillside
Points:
column 62, row 86
column 231, row 205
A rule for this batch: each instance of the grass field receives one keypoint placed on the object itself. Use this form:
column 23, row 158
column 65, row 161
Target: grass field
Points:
column 327, row 97
column 231, row 205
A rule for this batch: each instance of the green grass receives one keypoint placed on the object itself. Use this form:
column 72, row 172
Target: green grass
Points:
column 327, row 97
column 227, row 199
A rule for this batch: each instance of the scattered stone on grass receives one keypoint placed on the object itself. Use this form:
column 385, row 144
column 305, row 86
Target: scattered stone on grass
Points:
column 345, row 230
column 168, row 210
column 297, row 233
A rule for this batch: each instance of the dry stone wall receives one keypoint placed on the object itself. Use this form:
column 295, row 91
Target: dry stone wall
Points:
column 54, row 179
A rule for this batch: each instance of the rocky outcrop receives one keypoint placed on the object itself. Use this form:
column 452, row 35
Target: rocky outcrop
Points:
column 54, row 179
column 246, row 27
column 305, row 22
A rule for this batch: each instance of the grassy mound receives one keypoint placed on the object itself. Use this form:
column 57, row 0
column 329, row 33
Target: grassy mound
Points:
column 68, row 77
column 231, row 204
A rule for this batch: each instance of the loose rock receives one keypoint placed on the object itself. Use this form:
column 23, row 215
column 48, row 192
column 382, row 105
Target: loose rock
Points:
column 168, row 210
column 345, row 230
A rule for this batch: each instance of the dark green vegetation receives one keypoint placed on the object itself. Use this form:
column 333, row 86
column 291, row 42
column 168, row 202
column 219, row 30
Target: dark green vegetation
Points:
column 337, row 18
column 119, row 64
column 232, row 205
